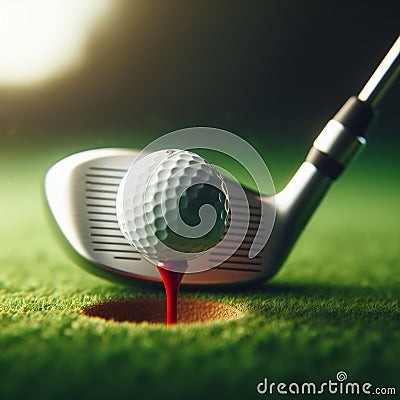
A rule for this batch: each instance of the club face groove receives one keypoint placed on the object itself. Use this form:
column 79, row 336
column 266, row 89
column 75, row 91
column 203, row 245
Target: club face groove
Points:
column 81, row 192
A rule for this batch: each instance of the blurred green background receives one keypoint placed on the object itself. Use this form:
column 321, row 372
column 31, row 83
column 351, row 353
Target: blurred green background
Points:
column 266, row 69
column 272, row 72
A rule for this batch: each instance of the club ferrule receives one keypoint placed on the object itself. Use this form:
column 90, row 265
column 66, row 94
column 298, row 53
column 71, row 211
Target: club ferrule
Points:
column 336, row 141
column 342, row 138
column 355, row 115
column 334, row 149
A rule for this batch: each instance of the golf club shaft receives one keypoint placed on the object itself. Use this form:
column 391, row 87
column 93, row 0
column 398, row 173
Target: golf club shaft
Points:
column 344, row 136
column 383, row 77
column 336, row 146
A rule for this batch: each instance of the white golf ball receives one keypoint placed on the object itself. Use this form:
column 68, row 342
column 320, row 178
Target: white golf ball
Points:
column 172, row 205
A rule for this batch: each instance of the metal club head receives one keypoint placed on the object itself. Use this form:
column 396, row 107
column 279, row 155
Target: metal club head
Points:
column 81, row 191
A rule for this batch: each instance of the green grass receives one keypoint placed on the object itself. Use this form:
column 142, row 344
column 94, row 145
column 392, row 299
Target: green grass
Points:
column 333, row 306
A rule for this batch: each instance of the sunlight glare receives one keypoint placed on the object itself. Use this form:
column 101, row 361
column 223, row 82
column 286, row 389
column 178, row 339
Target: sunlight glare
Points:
column 41, row 38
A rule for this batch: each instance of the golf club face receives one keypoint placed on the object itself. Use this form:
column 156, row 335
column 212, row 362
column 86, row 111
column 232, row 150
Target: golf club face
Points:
column 81, row 192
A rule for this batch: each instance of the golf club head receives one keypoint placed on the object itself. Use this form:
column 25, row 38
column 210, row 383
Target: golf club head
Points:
column 81, row 192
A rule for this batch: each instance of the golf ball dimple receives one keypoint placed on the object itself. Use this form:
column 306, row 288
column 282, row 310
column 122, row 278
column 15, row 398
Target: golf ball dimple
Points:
column 172, row 205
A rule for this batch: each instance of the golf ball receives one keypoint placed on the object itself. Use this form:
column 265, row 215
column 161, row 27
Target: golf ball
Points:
column 172, row 205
